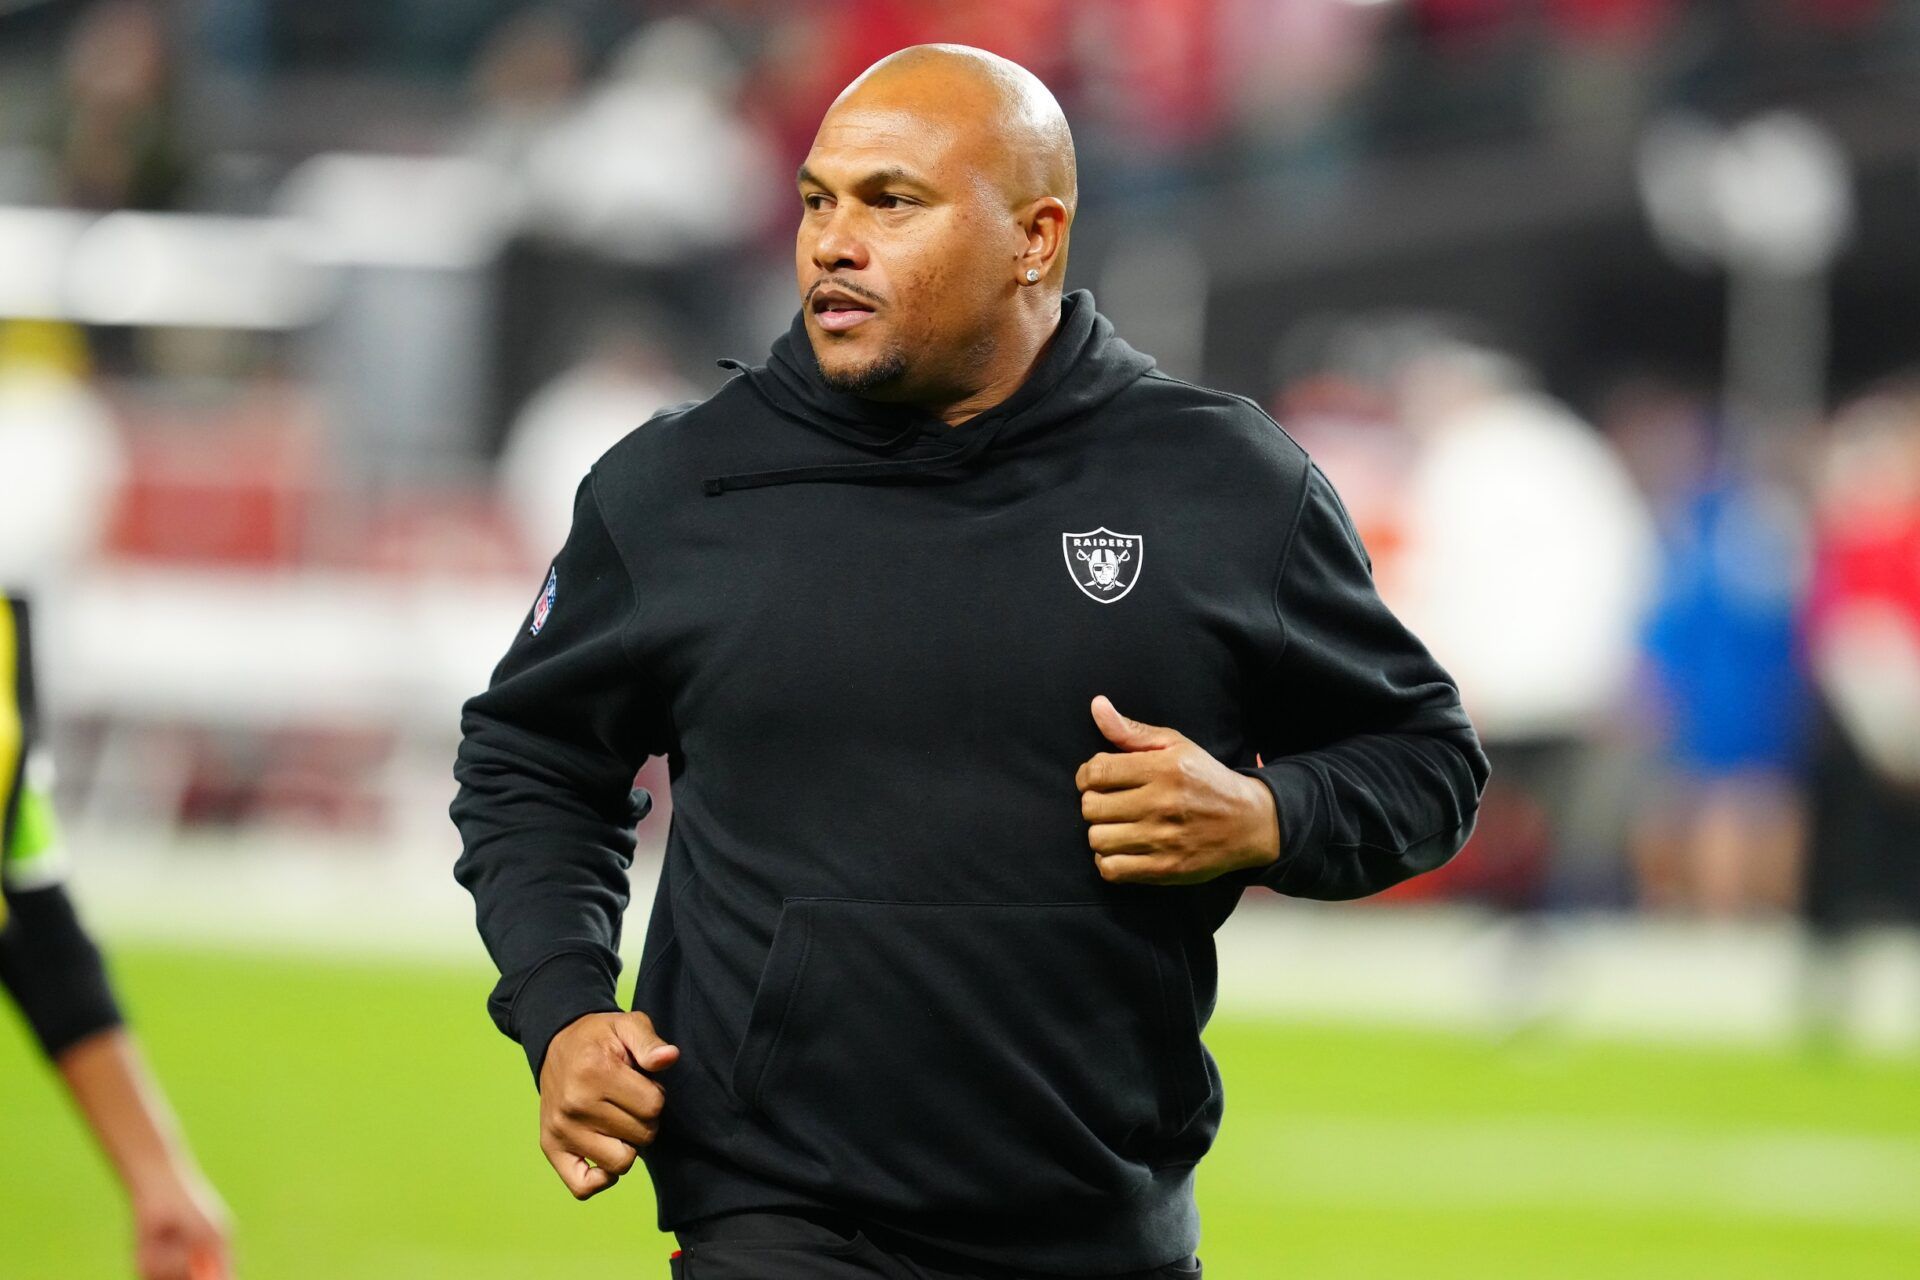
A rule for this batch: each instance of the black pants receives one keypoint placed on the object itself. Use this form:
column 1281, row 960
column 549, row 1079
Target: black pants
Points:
column 825, row 1246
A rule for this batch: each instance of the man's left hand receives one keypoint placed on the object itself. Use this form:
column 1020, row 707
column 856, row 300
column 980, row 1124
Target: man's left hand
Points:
column 1164, row 811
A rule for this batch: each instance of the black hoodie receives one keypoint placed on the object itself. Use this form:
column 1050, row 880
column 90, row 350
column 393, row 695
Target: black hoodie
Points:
column 866, row 642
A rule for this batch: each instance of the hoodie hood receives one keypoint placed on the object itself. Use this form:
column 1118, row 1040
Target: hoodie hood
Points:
column 1086, row 365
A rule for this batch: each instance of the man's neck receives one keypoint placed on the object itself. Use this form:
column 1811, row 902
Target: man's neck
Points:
column 1004, row 385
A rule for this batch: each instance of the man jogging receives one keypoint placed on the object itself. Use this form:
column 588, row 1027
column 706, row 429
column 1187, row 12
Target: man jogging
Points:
column 992, row 665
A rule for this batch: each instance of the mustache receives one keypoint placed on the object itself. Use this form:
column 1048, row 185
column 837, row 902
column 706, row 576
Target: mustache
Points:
column 853, row 290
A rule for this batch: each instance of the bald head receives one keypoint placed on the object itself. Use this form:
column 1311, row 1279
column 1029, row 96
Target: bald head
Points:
column 990, row 103
column 937, row 198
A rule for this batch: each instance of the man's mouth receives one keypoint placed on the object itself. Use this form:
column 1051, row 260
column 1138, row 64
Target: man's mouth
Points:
column 838, row 312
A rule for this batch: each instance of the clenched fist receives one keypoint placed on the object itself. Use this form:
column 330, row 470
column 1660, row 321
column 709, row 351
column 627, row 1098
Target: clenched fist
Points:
column 1165, row 811
column 598, row 1106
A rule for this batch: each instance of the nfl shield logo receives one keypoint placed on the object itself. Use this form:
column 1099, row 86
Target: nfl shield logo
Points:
column 1104, row 564
column 544, row 605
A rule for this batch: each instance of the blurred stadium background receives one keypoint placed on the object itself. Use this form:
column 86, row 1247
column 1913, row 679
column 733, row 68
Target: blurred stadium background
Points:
column 1604, row 315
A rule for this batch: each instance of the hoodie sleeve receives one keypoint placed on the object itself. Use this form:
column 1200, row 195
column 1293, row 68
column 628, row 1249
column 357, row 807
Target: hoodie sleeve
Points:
column 546, row 805
column 1375, row 770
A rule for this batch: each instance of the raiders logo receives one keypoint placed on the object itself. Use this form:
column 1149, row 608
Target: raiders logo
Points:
column 1104, row 564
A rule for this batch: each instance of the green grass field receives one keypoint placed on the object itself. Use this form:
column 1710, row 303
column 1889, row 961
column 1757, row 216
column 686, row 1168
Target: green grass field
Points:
column 364, row 1120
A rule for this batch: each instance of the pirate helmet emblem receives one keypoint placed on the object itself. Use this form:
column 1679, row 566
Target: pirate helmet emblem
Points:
column 1104, row 564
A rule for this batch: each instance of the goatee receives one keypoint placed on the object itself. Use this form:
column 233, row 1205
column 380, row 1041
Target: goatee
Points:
column 877, row 372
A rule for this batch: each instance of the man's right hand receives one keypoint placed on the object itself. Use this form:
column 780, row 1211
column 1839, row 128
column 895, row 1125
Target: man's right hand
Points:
column 597, row 1105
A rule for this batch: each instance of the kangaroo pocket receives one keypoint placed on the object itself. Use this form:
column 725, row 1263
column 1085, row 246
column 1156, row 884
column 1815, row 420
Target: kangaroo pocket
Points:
column 992, row 1057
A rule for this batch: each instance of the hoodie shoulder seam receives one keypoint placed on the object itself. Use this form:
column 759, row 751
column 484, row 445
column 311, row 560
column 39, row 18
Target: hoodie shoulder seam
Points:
column 676, row 411
column 1299, row 508
column 1248, row 401
column 1285, row 559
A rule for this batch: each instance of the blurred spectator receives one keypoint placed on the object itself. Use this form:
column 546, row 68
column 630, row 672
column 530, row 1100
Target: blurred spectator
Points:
column 1530, row 550
column 656, row 161
column 525, row 81
column 1529, row 558
column 1863, row 629
column 1720, row 829
column 61, row 456
column 114, row 141
column 564, row 428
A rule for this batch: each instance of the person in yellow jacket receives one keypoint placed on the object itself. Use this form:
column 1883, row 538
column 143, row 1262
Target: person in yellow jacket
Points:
column 54, row 971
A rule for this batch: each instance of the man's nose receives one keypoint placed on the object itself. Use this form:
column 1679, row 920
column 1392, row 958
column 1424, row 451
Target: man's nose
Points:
column 839, row 246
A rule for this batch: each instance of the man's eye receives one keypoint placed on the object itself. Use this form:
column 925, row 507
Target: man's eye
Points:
column 812, row 199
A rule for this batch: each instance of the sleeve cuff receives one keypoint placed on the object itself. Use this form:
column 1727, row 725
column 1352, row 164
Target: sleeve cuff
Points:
column 1300, row 806
column 54, row 970
column 103, row 1016
column 560, row 989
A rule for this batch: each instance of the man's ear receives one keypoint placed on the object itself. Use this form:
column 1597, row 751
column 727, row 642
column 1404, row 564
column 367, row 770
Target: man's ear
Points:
column 1044, row 223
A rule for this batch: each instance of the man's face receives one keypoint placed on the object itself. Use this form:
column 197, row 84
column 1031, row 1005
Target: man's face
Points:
column 904, row 255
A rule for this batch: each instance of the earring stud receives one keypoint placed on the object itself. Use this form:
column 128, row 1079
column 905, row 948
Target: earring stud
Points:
column 1033, row 273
